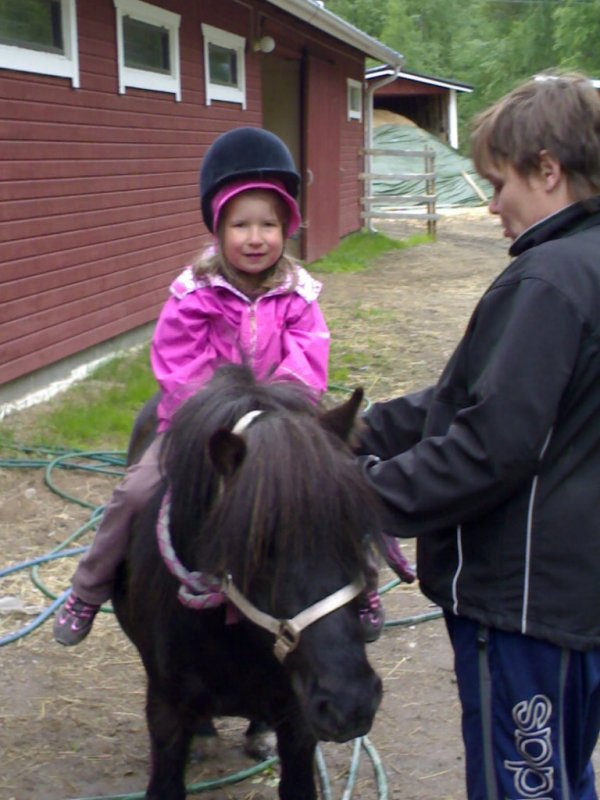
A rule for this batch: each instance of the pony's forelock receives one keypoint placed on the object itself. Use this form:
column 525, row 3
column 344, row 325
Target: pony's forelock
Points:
column 298, row 493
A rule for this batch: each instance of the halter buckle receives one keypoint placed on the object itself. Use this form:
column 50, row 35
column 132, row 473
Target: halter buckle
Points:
column 287, row 639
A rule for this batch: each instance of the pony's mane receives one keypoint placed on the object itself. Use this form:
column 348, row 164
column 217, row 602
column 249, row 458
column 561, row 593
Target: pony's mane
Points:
column 297, row 482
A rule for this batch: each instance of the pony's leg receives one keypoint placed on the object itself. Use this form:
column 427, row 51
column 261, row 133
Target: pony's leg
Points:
column 260, row 740
column 170, row 737
column 296, row 759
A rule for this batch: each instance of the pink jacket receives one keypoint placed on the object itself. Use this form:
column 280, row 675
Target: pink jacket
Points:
column 207, row 322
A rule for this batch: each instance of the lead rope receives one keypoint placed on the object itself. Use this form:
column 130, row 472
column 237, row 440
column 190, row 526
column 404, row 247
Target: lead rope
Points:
column 197, row 590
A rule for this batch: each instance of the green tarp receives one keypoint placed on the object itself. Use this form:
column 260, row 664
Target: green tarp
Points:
column 451, row 186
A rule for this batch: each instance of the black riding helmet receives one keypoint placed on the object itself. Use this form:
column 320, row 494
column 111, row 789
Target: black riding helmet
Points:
column 245, row 153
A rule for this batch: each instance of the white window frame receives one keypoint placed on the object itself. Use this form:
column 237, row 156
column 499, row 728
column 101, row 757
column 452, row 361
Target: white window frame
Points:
column 142, row 78
column 352, row 86
column 26, row 59
column 214, row 91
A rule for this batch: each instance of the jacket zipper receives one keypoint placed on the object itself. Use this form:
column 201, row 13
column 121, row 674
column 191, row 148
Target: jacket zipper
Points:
column 252, row 326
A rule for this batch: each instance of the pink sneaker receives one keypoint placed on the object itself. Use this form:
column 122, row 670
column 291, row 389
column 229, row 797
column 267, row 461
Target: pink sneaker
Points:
column 397, row 560
column 372, row 616
column 74, row 620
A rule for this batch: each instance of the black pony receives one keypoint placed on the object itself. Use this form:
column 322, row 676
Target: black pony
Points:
column 263, row 526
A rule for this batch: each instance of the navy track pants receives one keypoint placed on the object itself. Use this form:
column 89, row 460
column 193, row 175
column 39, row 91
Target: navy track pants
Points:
column 530, row 714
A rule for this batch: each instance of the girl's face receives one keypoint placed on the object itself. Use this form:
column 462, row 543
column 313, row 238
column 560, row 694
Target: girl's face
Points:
column 252, row 235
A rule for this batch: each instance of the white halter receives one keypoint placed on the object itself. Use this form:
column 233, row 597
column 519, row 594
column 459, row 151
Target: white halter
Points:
column 241, row 425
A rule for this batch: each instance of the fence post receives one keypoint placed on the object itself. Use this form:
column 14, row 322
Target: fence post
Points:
column 428, row 198
column 430, row 191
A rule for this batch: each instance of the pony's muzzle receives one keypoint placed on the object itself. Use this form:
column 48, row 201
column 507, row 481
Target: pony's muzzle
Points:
column 345, row 710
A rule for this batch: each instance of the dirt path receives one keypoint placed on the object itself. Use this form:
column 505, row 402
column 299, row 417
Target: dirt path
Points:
column 71, row 721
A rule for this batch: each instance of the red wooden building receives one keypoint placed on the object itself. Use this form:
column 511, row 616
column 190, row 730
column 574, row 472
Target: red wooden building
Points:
column 107, row 109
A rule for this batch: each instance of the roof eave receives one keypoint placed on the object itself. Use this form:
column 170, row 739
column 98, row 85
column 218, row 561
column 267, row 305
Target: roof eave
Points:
column 376, row 72
column 319, row 17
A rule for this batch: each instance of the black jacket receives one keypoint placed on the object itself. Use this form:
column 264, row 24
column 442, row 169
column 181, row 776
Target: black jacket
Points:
column 496, row 469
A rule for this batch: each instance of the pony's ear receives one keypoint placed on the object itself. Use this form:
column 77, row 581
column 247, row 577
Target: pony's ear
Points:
column 227, row 451
column 341, row 420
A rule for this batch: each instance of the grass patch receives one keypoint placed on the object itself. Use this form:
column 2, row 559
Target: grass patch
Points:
column 372, row 314
column 358, row 250
column 101, row 410
column 344, row 364
column 97, row 412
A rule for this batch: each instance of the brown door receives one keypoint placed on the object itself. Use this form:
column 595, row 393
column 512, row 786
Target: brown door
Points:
column 321, row 179
column 281, row 104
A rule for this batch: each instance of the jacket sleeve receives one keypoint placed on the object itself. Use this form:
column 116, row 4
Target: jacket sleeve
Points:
column 305, row 348
column 181, row 354
column 394, row 426
column 517, row 359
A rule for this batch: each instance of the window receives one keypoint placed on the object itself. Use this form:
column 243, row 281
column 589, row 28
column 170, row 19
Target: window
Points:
column 147, row 47
column 354, row 99
column 224, row 66
column 40, row 36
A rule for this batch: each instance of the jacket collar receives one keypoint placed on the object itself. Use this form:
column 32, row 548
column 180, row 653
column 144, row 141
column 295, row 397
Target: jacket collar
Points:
column 306, row 286
column 575, row 217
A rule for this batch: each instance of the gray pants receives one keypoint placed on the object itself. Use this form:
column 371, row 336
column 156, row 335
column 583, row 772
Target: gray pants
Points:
column 94, row 577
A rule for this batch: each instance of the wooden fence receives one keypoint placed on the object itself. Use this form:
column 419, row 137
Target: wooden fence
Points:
column 389, row 206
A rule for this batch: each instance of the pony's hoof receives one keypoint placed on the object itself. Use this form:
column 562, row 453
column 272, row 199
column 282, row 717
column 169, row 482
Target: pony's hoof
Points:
column 261, row 745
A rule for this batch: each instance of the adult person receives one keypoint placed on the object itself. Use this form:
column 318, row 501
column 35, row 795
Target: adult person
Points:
column 496, row 468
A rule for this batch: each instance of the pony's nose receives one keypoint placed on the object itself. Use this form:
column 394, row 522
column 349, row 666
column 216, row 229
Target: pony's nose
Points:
column 345, row 711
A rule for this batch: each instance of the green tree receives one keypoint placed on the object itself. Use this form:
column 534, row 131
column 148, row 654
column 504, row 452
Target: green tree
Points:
column 502, row 49
column 576, row 36
column 368, row 15
column 402, row 32
column 491, row 44
column 424, row 32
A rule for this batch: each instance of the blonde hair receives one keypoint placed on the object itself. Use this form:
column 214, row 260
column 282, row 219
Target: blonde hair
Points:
column 212, row 262
column 558, row 113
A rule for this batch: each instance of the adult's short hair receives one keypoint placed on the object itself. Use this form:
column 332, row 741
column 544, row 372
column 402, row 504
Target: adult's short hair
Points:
column 558, row 113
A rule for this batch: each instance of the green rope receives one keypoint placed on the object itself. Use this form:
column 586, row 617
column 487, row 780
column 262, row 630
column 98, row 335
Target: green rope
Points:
column 323, row 775
column 382, row 786
column 202, row 786
column 352, row 772
column 62, row 461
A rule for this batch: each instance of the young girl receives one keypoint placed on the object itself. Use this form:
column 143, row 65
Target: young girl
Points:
column 243, row 299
